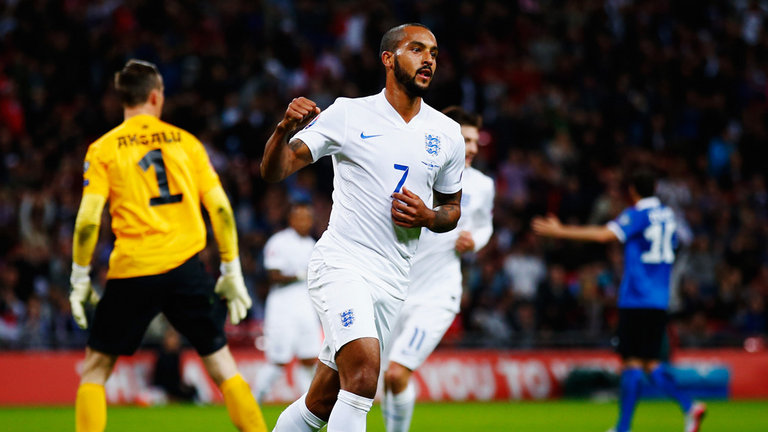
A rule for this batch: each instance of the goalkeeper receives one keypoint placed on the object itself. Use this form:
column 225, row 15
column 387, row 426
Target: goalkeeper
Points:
column 155, row 177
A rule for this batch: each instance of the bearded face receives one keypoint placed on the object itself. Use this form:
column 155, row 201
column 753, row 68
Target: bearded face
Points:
column 411, row 80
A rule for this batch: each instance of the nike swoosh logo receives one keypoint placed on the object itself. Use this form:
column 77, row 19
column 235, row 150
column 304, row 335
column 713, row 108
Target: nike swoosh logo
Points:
column 364, row 136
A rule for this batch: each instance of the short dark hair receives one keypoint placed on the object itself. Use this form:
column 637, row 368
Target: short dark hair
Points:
column 463, row 117
column 643, row 180
column 393, row 36
column 136, row 80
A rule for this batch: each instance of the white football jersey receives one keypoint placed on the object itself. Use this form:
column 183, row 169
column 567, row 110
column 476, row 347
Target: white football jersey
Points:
column 436, row 268
column 289, row 253
column 375, row 153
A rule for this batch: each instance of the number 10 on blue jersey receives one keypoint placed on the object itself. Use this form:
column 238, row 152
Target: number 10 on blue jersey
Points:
column 662, row 250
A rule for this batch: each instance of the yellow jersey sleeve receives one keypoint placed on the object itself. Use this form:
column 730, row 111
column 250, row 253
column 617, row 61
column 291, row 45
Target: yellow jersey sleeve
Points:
column 87, row 224
column 222, row 222
column 95, row 172
column 207, row 178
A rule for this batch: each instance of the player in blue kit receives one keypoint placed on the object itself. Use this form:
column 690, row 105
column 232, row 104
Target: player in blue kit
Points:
column 647, row 230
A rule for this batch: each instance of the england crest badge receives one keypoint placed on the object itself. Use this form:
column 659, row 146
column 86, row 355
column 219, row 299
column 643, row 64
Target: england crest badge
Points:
column 432, row 144
column 347, row 318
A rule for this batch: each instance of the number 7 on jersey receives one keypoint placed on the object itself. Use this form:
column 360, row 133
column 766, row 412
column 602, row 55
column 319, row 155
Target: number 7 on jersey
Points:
column 405, row 169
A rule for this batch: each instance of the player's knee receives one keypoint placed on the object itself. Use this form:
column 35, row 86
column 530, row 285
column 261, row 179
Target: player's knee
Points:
column 650, row 366
column 320, row 404
column 632, row 363
column 97, row 366
column 361, row 381
column 358, row 363
column 220, row 365
column 396, row 378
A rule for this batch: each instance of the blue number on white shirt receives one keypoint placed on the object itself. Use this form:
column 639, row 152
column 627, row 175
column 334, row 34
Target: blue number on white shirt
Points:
column 405, row 174
column 416, row 332
column 660, row 236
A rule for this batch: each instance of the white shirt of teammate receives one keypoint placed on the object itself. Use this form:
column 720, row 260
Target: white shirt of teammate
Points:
column 289, row 253
column 375, row 153
column 291, row 326
column 436, row 268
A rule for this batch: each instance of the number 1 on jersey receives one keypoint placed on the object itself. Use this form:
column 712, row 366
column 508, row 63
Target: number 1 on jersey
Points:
column 405, row 169
column 155, row 158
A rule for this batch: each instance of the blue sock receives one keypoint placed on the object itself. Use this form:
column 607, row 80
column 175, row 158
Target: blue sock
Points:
column 630, row 390
column 663, row 380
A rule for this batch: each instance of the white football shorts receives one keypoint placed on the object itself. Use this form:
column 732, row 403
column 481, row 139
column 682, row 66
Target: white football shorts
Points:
column 351, row 306
column 418, row 330
column 291, row 327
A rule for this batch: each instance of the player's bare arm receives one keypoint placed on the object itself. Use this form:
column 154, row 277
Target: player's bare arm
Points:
column 409, row 211
column 551, row 226
column 447, row 211
column 283, row 156
column 277, row 278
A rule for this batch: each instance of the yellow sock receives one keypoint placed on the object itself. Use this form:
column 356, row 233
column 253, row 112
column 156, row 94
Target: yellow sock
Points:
column 242, row 407
column 90, row 408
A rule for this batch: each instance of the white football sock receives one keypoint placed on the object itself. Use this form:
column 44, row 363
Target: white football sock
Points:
column 386, row 405
column 298, row 418
column 266, row 378
column 303, row 376
column 349, row 413
column 400, row 409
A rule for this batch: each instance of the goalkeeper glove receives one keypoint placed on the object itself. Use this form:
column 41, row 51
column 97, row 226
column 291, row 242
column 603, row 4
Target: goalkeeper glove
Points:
column 82, row 292
column 232, row 287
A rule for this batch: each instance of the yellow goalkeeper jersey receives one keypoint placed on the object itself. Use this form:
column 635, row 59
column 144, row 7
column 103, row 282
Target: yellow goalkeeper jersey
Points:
column 154, row 175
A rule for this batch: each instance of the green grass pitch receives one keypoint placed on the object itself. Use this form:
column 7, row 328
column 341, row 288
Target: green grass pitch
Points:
column 571, row 416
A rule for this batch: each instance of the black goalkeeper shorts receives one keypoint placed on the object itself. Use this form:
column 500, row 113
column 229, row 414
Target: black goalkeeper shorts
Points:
column 185, row 295
column 641, row 333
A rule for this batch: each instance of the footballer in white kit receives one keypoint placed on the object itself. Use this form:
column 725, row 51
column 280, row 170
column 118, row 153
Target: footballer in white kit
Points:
column 434, row 294
column 291, row 327
column 363, row 256
column 388, row 150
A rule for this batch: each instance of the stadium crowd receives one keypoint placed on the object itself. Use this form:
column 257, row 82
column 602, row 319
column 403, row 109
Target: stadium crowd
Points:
column 573, row 93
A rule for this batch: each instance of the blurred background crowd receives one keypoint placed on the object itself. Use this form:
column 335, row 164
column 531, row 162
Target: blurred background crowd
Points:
column 574, row 93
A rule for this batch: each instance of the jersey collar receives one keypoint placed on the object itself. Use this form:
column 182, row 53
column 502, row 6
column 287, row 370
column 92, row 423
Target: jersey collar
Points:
column 138, row 118
column 647, row 203
column 390, row 112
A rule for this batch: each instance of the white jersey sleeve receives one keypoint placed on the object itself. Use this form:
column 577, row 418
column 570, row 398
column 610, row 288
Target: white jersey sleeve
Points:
column 483, row 223
column 325, row 134
column 448, row 180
